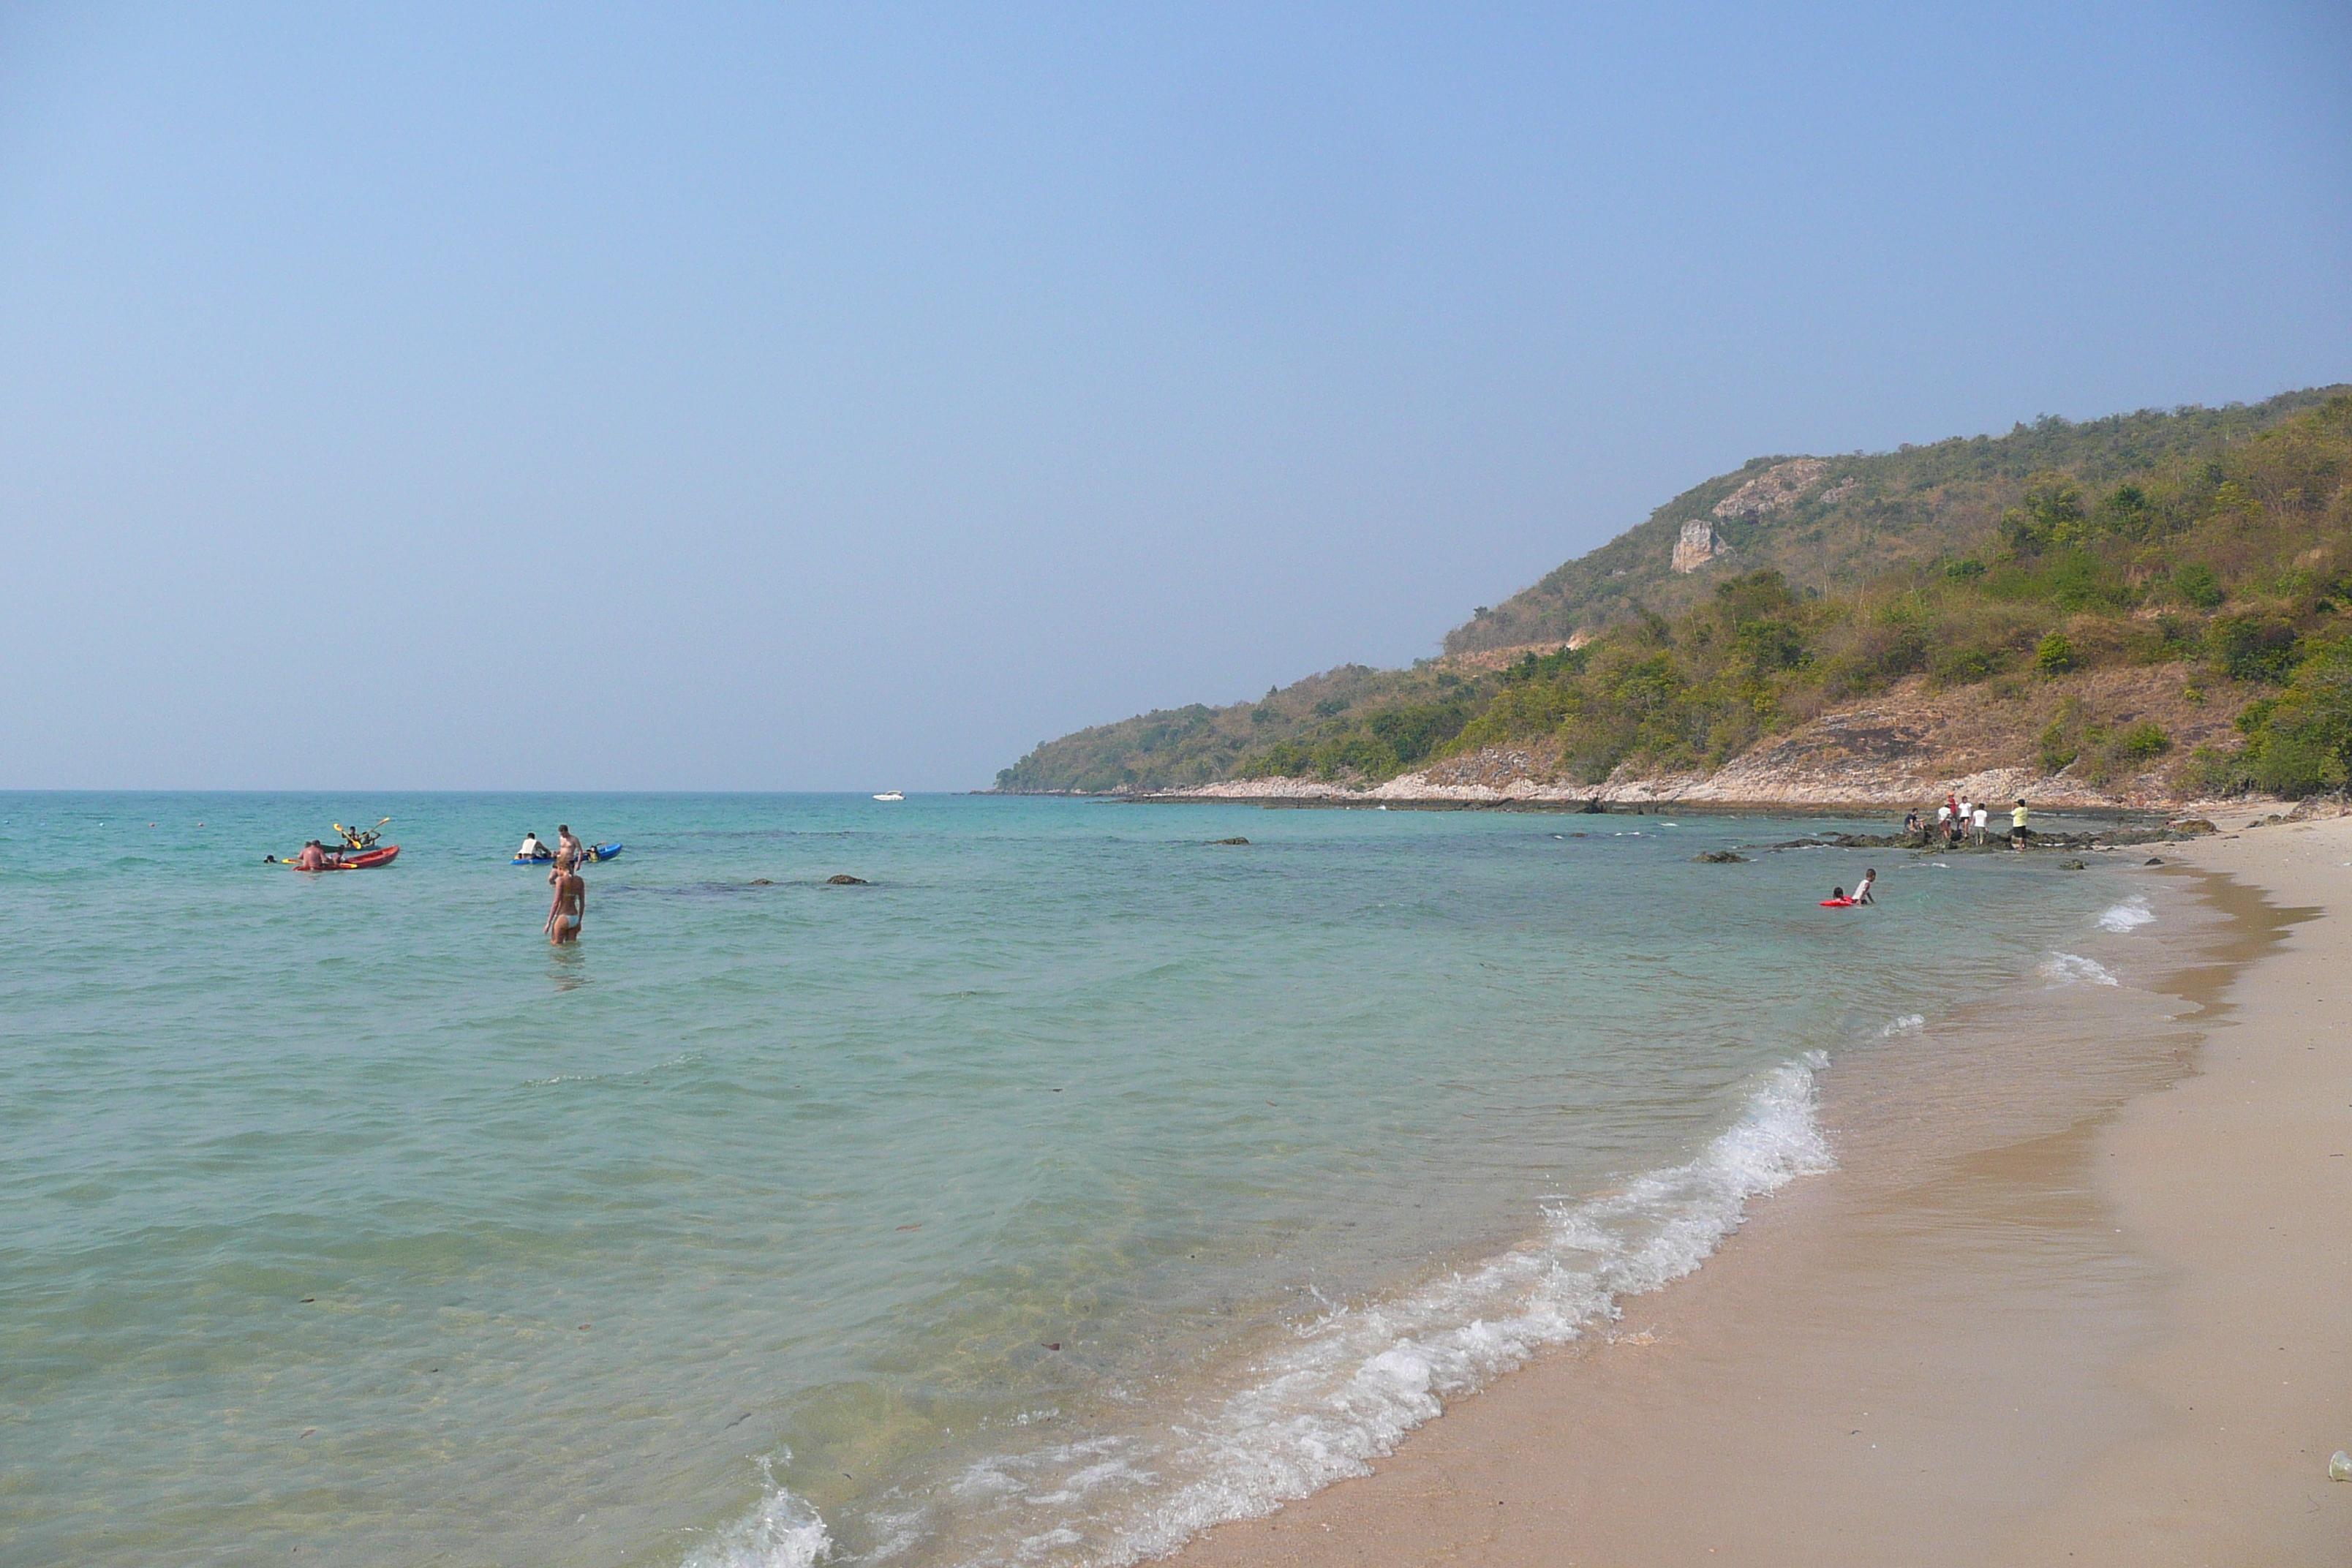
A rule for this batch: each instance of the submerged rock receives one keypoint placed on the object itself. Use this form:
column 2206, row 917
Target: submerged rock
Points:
column 1720, row 857
column 762, row 882
column 841, row 880
column 1228, row 840
column 2073, row 864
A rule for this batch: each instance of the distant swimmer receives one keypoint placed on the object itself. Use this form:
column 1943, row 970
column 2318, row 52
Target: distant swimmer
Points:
column 571, row 903
column 1862, row 888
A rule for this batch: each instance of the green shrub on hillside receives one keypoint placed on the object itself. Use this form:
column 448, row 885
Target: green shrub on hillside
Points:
column 2253, row 647
column 2196, row 584
column 2300, row 742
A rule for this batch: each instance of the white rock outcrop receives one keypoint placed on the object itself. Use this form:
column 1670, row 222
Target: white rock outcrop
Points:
column 1775, row 489
column 1697, row 546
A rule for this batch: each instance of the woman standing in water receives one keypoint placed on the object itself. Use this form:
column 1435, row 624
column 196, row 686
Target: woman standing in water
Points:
column 571, row 903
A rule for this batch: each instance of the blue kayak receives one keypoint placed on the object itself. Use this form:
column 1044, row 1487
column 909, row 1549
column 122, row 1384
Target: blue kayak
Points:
column 600, row 852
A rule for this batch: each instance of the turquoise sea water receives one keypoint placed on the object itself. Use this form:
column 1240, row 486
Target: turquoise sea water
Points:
column 1076, row 1184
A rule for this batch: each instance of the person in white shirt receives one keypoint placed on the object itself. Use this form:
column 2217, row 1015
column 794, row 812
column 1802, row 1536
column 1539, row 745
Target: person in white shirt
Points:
column 1979, row 824
column 1967, row 807
column 1862, row 888
column 1944, row 820
column 533, row 849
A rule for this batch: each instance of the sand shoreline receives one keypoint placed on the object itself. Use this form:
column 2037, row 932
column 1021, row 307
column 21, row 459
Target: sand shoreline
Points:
column 2107, row 1320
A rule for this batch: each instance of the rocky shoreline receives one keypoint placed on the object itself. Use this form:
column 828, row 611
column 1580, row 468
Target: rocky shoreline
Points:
column 1728, row 791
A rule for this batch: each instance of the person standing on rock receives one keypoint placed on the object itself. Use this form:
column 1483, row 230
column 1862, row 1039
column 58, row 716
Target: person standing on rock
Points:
column 1979, row 824
column 2017, row 825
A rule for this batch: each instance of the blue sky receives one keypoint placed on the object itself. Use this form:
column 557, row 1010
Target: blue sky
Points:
column 777, row 398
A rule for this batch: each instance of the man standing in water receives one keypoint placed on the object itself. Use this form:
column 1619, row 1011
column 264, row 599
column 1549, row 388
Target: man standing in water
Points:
column 568, row 847
column 571, row 903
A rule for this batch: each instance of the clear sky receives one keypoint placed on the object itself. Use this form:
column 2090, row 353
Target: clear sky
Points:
column 773, row 397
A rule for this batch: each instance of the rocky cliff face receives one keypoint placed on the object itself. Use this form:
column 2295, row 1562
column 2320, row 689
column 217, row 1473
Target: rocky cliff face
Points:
column 1697, row 546
column 1777, row 489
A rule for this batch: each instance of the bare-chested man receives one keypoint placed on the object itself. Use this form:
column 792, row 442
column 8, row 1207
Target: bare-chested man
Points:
column 571, row 903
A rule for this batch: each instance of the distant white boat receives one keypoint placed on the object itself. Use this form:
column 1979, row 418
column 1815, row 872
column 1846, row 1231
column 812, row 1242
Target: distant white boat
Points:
column 891, row 794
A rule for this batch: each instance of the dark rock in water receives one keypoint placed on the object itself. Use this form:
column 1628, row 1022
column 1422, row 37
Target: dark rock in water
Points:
column 762, row 882
column 1228, row 840
column 1721, row 857
column 2073, row 864
column 2153, row 860
column 2188, row 825
column 838, row 880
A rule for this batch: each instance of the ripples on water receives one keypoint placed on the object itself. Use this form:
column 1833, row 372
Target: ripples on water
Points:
column 1077, row 1183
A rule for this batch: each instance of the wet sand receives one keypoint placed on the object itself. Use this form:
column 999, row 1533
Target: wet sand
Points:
column 2080, row 1291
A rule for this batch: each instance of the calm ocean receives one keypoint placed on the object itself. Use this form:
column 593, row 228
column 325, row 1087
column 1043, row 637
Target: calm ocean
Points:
column 1077, row 1182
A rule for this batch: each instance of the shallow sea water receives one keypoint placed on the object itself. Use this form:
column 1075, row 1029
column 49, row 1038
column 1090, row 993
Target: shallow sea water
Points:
column 1077, row 1182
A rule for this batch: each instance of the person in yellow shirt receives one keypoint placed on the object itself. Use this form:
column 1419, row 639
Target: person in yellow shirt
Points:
column 2017, row 826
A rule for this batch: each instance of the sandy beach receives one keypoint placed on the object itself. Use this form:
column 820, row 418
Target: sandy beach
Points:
column 2080, row 1291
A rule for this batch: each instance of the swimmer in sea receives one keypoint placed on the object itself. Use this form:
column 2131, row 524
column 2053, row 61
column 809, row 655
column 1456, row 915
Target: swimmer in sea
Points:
column 571, row 903
column 1862, row 890
column 313, row 857
column 1837, row 894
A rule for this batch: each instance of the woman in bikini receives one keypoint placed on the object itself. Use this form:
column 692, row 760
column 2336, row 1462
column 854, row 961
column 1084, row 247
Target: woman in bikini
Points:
column 571, row 903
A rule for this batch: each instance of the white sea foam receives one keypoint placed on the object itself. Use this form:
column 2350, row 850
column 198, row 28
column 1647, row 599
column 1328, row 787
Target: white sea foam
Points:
column 1356, row 1381
column 2068, row 968
column 1909, row 1023
column 1348, row 1386
column 2131, row 913
column 782, row 1532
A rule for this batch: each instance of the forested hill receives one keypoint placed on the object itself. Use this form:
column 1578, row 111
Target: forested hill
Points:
column 1747, row 602
column 1828, row 523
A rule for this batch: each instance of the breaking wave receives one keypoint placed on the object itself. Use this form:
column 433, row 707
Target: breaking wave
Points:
column 2068, row 969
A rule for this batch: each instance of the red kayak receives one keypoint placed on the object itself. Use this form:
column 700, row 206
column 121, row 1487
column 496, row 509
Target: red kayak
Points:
column 368, row 861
